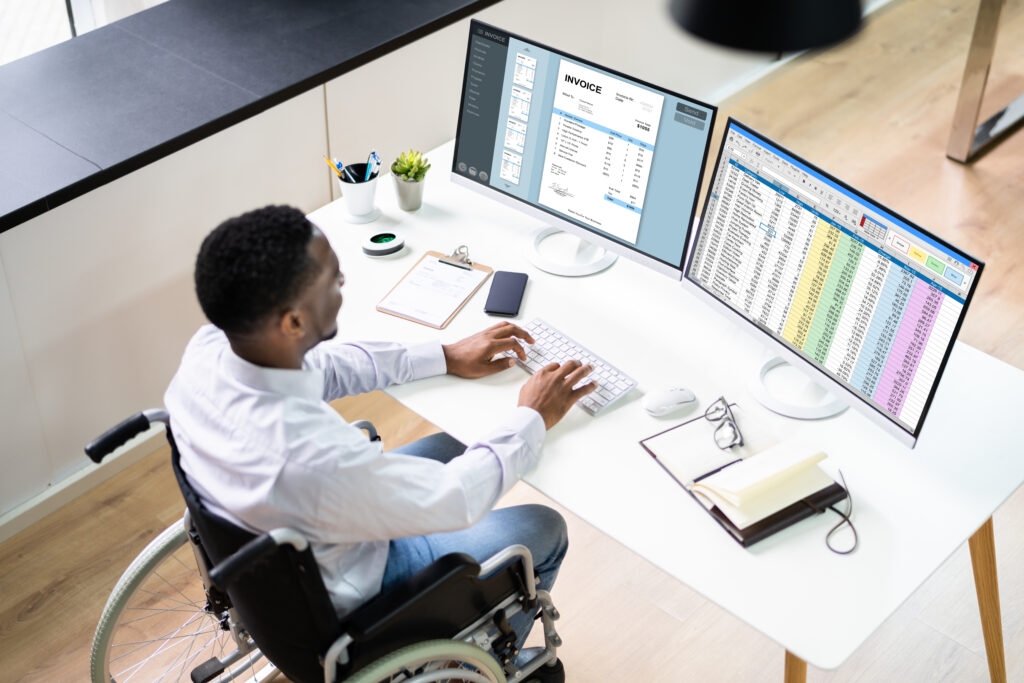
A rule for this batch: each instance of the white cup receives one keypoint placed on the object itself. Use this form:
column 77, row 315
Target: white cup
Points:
column 359, row 197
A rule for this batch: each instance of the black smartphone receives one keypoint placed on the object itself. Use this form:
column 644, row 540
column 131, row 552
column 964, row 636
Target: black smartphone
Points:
column 506, row 293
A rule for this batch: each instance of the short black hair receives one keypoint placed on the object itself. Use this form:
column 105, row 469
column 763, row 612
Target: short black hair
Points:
column 253, row 266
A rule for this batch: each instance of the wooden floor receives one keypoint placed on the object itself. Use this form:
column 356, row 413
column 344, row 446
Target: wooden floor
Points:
column 875, row 112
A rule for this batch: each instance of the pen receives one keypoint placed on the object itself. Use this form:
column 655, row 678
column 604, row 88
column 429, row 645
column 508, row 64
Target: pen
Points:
column 343, row 169
column 714, row 471
column 372, row 164
column 333, row 166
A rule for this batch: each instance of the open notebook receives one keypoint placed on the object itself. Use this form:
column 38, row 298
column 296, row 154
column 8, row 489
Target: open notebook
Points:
column 752, row 490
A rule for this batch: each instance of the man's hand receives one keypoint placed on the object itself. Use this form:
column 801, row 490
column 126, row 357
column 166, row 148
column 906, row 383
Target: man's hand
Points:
column 472, row 357
column 550, row 391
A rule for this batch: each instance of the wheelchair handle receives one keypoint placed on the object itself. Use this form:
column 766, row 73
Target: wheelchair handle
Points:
column 225, row 573
column 119, row 435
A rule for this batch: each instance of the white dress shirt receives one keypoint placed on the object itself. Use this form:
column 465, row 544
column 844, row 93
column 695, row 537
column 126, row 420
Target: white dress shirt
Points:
column 263, row 449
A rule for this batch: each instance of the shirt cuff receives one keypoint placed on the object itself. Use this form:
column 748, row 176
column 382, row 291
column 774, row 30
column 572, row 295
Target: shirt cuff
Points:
column 426, row 359
column 528, row 423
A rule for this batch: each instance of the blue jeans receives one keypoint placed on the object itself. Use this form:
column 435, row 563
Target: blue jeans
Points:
column 539, row 528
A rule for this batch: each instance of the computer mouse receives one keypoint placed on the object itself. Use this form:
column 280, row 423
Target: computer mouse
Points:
column 663, row 401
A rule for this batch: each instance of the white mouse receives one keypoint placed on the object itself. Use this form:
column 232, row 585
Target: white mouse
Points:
column 664, row 401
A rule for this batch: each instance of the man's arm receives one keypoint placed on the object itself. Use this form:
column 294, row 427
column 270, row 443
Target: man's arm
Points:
column 358, row 367
column 393, row 495
column 355, row 368
column 378, row 497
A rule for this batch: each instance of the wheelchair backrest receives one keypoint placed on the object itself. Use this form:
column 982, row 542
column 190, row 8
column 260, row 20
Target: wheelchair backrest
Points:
column 281, row 600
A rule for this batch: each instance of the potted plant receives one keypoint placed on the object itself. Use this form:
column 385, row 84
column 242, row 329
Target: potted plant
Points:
column 408, row 171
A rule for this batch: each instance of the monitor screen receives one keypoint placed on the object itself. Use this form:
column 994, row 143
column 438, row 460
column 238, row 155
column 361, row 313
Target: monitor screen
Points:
column 863, row 295
column 581, row 146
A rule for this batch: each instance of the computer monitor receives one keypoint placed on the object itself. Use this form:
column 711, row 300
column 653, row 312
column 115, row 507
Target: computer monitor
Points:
column 610, row 159
column 838, row 284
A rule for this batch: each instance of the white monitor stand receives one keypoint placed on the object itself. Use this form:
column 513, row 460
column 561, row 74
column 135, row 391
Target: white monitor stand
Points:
column 784, row 389
column 560, row 253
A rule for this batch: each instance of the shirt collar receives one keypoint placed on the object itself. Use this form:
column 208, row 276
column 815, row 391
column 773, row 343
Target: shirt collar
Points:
column 305, row 383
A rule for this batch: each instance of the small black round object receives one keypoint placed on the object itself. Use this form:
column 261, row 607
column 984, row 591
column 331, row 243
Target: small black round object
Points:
column 382, row 244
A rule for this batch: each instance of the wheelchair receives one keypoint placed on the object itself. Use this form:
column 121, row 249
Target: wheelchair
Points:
column 209, row 601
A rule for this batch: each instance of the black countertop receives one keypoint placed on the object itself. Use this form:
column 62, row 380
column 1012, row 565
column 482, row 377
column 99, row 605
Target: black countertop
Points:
column 92, row 109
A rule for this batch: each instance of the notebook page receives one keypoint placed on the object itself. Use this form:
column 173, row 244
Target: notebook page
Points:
column 804, row 483
column 689, row 450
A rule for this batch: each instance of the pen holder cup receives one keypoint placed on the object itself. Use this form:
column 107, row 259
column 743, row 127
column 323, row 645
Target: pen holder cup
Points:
column 359, row 196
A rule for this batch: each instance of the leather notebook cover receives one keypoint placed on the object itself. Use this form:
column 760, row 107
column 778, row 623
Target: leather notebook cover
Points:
column 811, row 505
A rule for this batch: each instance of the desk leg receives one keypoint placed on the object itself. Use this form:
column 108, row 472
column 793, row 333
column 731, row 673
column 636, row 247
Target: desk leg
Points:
column 983, row 559
column 796, row 669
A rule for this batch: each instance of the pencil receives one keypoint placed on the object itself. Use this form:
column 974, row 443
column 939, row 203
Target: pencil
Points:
column 333, row 167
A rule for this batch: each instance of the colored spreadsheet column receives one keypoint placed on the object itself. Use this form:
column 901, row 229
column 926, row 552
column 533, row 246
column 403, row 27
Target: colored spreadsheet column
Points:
column 884, row 325
column 833, row 298
column 908, row 347
column 812, row 282
column 860, row 311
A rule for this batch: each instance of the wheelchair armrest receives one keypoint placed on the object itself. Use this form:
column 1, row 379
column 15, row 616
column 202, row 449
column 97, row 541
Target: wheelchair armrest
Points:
column 368, row 427
column 224, row 574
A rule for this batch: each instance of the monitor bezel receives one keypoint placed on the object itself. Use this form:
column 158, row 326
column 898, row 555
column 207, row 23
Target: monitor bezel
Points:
column 847, row 395
column 557, row 220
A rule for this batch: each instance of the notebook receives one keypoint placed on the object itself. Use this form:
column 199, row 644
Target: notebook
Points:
column 753, row 490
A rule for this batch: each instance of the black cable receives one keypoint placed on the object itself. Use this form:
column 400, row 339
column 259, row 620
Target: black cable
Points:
column 845, row 520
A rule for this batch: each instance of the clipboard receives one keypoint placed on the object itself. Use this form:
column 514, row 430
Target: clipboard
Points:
column 430, row 296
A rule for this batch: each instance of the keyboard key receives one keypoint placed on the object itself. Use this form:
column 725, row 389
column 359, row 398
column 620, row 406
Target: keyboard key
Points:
column 554, row 346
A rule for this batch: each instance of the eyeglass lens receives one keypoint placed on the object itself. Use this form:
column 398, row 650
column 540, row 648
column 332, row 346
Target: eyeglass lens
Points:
column 717, row 410
column 726, row 434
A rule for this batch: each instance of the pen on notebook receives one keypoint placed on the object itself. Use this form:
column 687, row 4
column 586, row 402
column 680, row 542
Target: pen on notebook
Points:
column 714, row 471
column 334, row 167
column 372, row 164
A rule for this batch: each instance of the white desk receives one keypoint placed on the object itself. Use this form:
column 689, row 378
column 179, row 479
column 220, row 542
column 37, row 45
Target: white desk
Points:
column 913, row 508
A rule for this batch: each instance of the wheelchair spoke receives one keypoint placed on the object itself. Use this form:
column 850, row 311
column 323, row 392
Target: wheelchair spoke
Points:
column 187, row 603
column 154, row 613
column 170, row 642
column 188, row 659
column 172, row 586
column 138, row 666
column 170, row 636
column 189, row 569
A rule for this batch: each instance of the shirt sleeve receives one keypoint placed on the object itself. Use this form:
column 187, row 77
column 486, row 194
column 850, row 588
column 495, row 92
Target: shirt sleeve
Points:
column 357, row 367
column 373, row 496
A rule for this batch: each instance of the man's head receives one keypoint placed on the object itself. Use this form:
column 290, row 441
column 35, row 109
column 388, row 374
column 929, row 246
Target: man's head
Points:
column 270, row 277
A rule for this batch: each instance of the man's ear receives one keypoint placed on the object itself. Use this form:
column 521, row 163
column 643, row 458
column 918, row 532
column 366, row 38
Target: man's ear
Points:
column 292, row 324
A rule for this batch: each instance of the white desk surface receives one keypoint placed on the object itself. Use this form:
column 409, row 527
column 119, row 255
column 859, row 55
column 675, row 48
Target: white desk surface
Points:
column 913, row 508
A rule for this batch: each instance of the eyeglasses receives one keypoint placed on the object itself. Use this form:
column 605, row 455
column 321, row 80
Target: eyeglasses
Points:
column 727, row 433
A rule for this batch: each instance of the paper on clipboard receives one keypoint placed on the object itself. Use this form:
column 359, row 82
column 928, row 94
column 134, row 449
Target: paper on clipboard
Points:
column 433, row 291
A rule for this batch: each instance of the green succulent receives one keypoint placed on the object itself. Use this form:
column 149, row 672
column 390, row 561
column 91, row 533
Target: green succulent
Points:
column 410, row 166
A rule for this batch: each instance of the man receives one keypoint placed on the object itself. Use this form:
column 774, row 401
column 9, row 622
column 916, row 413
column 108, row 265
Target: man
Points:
column 263, row 449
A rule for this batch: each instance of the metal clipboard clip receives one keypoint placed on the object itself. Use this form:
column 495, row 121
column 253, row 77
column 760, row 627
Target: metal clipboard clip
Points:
column 459, row 258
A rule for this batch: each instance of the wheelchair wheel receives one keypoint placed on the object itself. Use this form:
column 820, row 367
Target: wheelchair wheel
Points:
column 156, row 625
column 433, row 660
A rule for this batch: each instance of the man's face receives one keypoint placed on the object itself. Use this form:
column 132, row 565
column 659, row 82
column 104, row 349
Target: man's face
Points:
column 321, row 300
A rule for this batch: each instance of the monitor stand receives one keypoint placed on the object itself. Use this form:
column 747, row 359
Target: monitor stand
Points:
column 564, row 254
column 791, row 393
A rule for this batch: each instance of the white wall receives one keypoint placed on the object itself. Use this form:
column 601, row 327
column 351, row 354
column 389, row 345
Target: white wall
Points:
column 97, row 301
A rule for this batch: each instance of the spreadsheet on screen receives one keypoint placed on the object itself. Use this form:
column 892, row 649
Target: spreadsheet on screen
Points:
column 870, row 299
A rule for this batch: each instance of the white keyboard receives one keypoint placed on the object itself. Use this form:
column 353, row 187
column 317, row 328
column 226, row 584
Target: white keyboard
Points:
column 552, row 346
